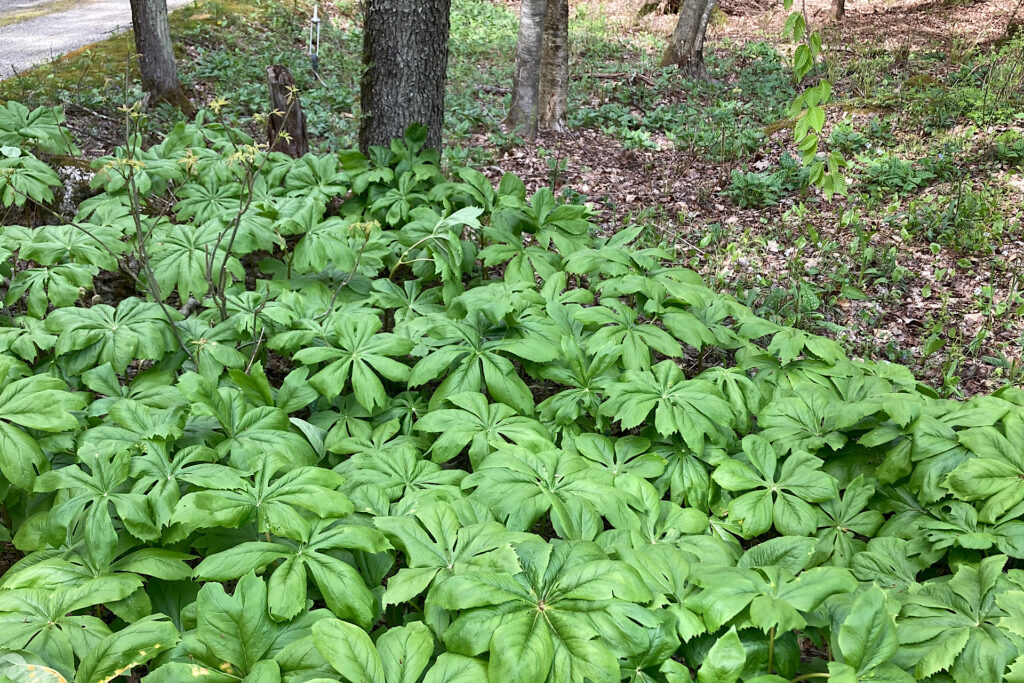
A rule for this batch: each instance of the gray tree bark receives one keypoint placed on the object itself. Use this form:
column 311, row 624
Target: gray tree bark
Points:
column 554, row 67
column 156, row 55
column 686, row 47
column 838, row 9
column 540, row 80
column 405, row 55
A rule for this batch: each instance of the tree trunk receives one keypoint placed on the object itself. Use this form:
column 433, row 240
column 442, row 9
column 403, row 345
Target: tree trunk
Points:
column 540, row 80
column 286, row 126
column 156, row 56
column 686, row 47
column 554, row 67
column 405, row 54
column 838, row 9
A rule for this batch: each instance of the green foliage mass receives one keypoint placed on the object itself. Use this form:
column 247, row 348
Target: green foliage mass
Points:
column 354, row 420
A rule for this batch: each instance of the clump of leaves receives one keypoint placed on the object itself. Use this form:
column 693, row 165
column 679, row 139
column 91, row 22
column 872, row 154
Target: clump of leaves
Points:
column 439, row 430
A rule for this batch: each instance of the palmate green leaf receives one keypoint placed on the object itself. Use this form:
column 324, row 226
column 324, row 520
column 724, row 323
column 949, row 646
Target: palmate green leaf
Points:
column 867, row 640
column 625, row 457
column 349, row 650
column 131, row 425
column 38, row 403
column 775, row 597
column 666, row 571
column 617, row 328
column 243, row 431
column 399, row 474
column 587, row 376
column 59, row 244
column 382, row 441
column 93, row 501
column 809, row 420
column 498, row 301
column 214, row 347
column 955, row 525
column 993, row 476
column 472, row 356
column 152, row 388
column 952, row 624
column 452, row 668
column 791, row 553
column 693, row 408
column 344, row 591
column 564, row 225
column 437, row 545
column 523, row 263
column 26, row 338
column 233, row 636
column 405, row 652
column 521, row 486
column 613, row 257
column 87, row 337
column 328, row 243
column 207, row 200
column 280, row 504
column 399, row 656
column 185, row 257
column 840, row 521
column 774, row 497
column 74, row 567
column 316, row 176
column 652, row 651
column 235, row 627
column 435, row 247
column 41, row 127
column 43, row 622
column 58, row 286
column 406, row 302
column 650, row 520
column 481, row 426
column 25, row 178
column 724, row 660
column 890, row 563
column 123, row 651
column 358, row 354
column 561, row 586
column 739, row 390
column 16, row 667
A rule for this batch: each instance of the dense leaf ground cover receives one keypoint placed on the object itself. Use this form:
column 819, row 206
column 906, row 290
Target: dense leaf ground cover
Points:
column 918, row 265
column 355, row 418
column 387, row 418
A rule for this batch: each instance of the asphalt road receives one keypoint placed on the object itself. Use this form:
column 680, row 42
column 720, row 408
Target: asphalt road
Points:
column 27, row 43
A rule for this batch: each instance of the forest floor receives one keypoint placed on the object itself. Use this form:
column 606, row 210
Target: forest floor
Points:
column 919, row 264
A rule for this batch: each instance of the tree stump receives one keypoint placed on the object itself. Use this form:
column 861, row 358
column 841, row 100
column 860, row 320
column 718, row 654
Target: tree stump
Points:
column 286, row 125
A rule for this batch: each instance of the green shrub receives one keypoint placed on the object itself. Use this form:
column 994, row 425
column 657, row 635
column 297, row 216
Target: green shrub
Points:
column 894, row 175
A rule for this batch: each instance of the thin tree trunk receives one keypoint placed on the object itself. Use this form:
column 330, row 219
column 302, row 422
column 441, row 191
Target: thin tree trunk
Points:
column 286, row 125
column 523, row 113
column 554, row 67
column 405, row 53
column 838, row 9
column 540, row 80
column 686, row 47
column 156, row 55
